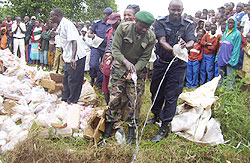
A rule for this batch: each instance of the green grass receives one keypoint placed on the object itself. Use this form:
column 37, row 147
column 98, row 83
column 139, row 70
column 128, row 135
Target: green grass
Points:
column 232, row 110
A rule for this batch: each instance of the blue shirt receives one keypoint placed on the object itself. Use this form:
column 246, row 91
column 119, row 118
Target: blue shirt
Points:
column 171, row 31
column 239, row 15
column 100, row 28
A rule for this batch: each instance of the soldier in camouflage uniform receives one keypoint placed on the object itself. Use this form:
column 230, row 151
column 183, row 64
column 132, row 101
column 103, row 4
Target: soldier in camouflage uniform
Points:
column 132, row 47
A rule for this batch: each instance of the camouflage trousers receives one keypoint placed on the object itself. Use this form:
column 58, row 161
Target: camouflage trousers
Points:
column 117, row 86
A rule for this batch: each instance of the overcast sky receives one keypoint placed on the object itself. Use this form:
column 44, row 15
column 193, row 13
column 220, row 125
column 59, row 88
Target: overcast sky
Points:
column 160, row 7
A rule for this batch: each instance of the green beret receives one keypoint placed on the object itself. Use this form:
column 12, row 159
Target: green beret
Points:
column 145, row 17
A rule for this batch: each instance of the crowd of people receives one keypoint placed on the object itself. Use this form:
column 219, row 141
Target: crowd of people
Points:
column 221, row 41
column 218, row 42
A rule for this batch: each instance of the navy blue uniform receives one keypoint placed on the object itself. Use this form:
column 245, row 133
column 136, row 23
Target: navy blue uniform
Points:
column 99, row 28
column 174, row 81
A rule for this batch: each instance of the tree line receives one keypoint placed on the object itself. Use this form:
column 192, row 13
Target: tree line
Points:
column 76, row 10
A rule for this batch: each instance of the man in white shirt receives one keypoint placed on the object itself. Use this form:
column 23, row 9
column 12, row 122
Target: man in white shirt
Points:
column 74, row 56
column 19, row 29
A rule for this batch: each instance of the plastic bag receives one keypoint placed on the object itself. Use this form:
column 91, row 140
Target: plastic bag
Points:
column 45, row 120
column 27, row 121
column 180, row 53
column 8, row 125
column 3, row 135
column 120, row 136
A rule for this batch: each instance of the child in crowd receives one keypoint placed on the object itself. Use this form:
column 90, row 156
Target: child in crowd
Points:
column 35, row 43
column 45, row 36
column 208, row 27
column 10, row 41
column 51, row 52
column 193, row 66
column 219, row 37
column 4, row 38
column 210, row 45
column 246, row 61
column 201, row 32
column 200, row 26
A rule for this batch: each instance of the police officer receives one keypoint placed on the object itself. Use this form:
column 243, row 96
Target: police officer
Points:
column 168, row 30
column 98, row 28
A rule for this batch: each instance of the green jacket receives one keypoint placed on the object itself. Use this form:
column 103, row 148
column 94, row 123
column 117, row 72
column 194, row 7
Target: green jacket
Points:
column 125, row 45
column 45, row 36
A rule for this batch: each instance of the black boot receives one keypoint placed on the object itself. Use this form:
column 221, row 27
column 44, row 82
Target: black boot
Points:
column 107, row 97
column 108, row 129
column 131, row 135
column 92, row 81
column 162, row 133
column 107, row 133
column 153, row 120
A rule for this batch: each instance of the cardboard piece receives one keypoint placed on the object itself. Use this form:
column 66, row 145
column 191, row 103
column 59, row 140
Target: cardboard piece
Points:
column 2, row 68
column 58, row 78
column 96, row 125
column 58, row 87
column 88, row 95
column 46, row 83
column 8, row 105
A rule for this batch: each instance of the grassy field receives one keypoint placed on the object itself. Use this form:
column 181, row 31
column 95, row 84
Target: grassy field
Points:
column 232, row 110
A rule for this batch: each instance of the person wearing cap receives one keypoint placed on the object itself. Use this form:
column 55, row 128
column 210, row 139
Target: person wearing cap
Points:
column 168, row 30
column 114, row 20
column 86, row 42
column 98, row 29
column 131, row 49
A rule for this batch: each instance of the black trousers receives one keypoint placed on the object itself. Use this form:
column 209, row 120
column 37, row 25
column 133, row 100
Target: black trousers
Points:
column 73, row 81
column 170, row 90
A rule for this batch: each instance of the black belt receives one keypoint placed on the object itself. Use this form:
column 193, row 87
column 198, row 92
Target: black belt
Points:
column 18, row 38
column 161, row 60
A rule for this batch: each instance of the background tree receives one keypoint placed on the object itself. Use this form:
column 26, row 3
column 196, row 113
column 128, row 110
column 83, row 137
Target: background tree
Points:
column 76, row 10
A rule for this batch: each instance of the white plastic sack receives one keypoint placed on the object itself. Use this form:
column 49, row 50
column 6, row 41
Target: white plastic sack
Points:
column 202, row 96
column 45, row 120
column 180, row 53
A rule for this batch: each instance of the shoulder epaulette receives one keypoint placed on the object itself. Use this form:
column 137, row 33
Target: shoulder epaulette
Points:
column 96, row 21
column 190, row 21
column 161, row 18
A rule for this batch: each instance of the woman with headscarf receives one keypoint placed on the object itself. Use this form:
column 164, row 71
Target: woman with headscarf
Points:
column 228, row 56
column 4, row 38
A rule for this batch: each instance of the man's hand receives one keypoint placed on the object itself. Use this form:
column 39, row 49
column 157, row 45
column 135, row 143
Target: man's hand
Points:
column 129, row 77
column 91, row 35
column 182, row 43
column 131, row 68
column 73, row 64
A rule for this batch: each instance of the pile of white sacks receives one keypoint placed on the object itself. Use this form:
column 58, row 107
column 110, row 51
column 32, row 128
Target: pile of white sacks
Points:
column 23, row 102
column 193, row 119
